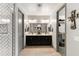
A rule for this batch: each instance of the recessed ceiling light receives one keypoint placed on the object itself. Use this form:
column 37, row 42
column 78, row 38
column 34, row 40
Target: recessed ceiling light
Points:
column 39, row 5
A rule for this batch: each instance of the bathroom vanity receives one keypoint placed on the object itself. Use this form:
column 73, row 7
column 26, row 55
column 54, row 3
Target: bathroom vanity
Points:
column 38, row 39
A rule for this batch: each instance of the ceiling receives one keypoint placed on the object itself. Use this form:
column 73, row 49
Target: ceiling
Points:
column 46, row 9
column 43, row 9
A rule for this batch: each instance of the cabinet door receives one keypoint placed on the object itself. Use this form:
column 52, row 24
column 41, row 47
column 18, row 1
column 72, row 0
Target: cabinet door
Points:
column 35, row 40
column 28, row 40
column 45, row 40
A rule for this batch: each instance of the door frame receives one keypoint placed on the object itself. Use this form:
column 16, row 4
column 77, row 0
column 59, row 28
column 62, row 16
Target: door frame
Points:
column 57, row 16
column 22, row 27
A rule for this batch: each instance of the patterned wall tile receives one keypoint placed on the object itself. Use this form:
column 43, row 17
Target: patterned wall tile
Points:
column 3, row 28
column 6, row 40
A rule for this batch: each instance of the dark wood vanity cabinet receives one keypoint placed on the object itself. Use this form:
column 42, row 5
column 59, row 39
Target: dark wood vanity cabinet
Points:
column 38, row 40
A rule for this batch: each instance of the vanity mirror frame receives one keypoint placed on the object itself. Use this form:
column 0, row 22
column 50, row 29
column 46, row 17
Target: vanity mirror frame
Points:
column 57, row 29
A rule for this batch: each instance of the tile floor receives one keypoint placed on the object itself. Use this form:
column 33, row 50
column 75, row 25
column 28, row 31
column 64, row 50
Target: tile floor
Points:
column 39, row 51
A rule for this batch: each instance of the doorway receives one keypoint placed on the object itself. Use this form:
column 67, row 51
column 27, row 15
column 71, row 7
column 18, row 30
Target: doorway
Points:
column 61, row 30
column 38, row 29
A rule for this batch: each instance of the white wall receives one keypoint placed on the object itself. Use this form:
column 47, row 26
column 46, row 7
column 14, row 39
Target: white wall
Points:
column 53, row 22
column 72, row 46
column 54, row 33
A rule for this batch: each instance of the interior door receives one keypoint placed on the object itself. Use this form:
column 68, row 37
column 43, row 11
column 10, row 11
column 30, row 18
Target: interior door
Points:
column 20, row 30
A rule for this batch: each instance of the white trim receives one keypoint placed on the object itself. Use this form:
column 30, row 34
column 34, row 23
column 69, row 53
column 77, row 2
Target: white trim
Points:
column 16, row 31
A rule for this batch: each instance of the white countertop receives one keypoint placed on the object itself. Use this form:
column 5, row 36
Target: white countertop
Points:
column 35, row 34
